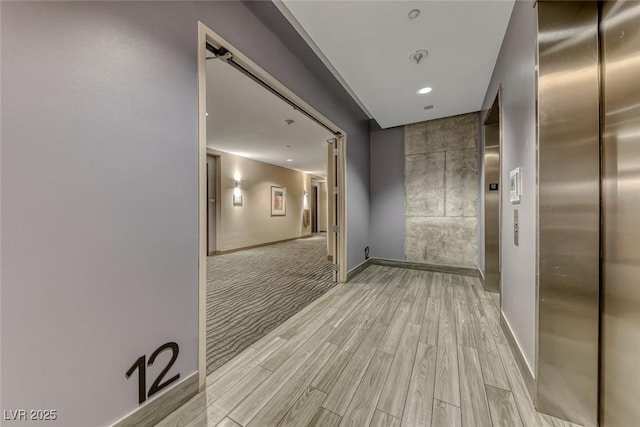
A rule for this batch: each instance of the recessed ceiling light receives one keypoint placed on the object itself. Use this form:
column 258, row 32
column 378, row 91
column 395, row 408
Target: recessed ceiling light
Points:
column 413, row 14
column 289, row 160
column 424, row 90
column 428, row 107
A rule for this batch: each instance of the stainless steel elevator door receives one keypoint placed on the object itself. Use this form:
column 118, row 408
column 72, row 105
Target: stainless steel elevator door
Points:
column 492, row 211
column 569, row 210
column 620, row 375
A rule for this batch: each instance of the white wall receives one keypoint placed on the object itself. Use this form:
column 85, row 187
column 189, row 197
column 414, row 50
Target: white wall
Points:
column 515, row 71
column 252, row 224
column 99, row 189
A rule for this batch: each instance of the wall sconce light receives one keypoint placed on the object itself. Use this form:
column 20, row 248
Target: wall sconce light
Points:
column 237, row 193
column 236, row 190
column 305, row 201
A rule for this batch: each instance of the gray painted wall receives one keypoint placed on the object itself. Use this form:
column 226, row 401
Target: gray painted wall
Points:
column 441, row 187
column 387, row 192
column 99, row 189
column 515, row 71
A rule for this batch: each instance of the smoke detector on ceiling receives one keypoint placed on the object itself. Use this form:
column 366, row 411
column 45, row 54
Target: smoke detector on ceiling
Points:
column 288, row 121
column 414, row 13
column 418, row 56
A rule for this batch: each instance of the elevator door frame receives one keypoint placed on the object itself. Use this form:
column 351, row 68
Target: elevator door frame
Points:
column 620, row 142
column 494, row 117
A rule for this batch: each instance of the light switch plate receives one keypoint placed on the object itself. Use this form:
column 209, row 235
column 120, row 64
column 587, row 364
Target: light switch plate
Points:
column 515, row 191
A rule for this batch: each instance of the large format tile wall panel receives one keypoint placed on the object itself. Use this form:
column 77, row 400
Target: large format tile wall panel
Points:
column 441, row 191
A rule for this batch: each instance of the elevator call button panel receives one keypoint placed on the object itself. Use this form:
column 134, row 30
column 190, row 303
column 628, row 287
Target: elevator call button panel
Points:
column 515, row 228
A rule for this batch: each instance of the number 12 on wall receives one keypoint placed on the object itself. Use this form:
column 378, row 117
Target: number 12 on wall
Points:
column 141, row 365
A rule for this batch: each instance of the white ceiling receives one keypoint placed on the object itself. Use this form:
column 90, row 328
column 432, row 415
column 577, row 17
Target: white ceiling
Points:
column 368, row 44
column 247, row 120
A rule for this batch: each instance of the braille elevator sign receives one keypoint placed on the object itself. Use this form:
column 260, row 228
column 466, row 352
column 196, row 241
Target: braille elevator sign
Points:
column 493, row 186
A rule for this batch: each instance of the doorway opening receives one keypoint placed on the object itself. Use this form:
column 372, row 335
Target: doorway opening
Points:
column 271, row 241
column 492, row 197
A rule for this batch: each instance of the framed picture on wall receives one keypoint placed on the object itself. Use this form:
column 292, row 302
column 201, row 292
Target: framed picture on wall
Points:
column 278, row 201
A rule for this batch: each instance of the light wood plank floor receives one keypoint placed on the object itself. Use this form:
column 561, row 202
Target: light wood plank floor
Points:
column 394, row 347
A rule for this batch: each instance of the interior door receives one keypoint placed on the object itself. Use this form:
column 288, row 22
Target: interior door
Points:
column 314, row 209
column 211, row 205
column 620, row 341
column 340, row 207
column 491, row 218
column 333, row 205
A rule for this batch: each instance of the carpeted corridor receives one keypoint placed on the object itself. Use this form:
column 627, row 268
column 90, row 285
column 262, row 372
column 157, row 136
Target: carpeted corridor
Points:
column 251, row 292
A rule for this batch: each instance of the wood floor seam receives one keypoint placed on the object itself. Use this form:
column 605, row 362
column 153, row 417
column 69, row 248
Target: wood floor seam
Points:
column 329, row 410
column 387, row 413
column 522, row 417
column 377, row 403
column 231, row 418
column 436, row 399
